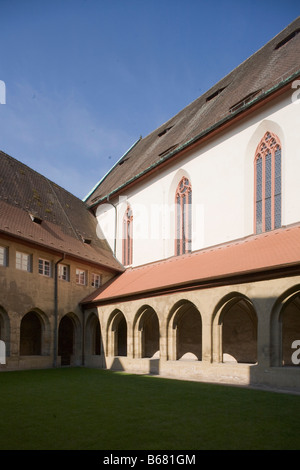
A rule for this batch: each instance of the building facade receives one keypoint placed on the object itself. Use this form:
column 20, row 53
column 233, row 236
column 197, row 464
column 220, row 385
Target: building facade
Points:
column 196, row 232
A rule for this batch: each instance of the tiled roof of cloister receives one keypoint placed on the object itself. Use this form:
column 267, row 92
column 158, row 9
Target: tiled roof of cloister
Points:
column 256, row 255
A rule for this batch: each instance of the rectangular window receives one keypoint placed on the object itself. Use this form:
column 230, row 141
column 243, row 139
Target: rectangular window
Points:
column 23, row 261
column 80, row 277
column 44, row 267
column 96, row 280
column 3, row 256
column 63, row 272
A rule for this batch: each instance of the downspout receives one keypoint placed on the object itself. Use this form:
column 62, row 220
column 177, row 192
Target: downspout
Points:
column 56, row 309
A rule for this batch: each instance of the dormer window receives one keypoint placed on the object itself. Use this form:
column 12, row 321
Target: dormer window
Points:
column 35, row 219
column 287, row 39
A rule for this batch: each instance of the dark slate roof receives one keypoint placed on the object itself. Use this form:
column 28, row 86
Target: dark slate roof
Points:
column 269, row 69
column 37, row 210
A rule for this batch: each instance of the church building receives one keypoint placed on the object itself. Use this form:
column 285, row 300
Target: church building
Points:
column 184, row 260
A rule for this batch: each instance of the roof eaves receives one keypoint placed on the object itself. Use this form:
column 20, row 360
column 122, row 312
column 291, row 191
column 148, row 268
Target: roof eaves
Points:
column 65, row 252
column 232, row 114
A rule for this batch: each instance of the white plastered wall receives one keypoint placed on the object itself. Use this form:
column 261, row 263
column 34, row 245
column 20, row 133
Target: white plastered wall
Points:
column 221, row 172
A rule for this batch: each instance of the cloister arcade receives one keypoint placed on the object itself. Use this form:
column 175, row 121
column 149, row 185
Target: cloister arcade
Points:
column 183, row 333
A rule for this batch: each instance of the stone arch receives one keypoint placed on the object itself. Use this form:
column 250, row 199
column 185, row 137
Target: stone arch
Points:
column 184, row 337
column 69, row 339
column 117, row 334
column 235, row 330
column 93, row 337
column 146, row 333
column 285, row 327
column 31, row 333
column 5, row 329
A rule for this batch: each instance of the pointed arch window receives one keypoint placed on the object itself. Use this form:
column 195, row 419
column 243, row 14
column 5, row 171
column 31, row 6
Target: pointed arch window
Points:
column 183, row 201
column 267, row 170
column 127, row 237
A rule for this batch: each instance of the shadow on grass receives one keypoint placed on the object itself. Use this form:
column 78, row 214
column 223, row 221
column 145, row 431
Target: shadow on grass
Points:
column 82, row 409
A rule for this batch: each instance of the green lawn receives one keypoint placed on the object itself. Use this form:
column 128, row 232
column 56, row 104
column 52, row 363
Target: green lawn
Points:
column 77, row 408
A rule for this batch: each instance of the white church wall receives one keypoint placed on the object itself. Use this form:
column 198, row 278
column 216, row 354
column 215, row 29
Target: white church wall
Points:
column 221, row 172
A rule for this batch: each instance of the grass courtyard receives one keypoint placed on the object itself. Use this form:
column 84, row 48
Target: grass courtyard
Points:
column 86, row 409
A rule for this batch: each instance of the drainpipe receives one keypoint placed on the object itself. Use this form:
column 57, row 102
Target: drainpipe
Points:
column 56, row 309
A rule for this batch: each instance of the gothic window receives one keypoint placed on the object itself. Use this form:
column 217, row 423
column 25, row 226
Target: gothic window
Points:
column 127, row 236
column 267, row 170
column 183, row 201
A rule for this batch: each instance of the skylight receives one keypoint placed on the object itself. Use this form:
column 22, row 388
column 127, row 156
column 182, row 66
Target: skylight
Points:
column 36, row 219
column 164, row 131
column 216, row 93
column 287, row 39
column 244, row 101
column 168, row 150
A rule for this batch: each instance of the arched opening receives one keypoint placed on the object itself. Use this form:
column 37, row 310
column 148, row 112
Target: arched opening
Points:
column 121, row 343
column 31, row 335
column 127, row 237
column 5, row 329
column 93, row 337
column 268, row 176
column 183, row 204
column 290, row 321
column 185, row 334
column 66, row 340
column 148, row 327
column 118, row 334
column 239, row 331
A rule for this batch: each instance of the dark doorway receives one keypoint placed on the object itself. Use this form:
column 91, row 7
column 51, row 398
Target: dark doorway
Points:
column 30, row 335
column 66, row 340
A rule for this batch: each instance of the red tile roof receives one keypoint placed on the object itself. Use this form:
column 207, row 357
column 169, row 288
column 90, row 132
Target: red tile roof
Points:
column 254, row 254
column 65, row 220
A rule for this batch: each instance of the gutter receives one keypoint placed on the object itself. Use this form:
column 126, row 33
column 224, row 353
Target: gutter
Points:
column 202, row 134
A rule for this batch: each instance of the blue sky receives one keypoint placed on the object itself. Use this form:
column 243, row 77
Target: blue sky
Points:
column 85, row 78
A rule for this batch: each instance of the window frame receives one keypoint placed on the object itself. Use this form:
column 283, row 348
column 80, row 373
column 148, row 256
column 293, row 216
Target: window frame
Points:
column 183, row 217
column 3, row 256
column 98, row 277
column 28, row 259
column 268, row 184
column 79, row 273
column 61, row 276
column 45, row 267
column 127, row 245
